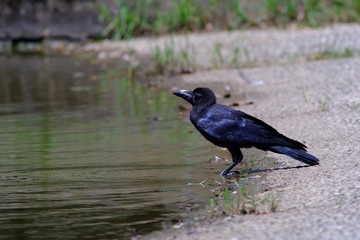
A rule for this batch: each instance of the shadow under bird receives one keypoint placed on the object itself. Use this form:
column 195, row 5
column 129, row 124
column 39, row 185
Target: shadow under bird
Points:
column 234, row 129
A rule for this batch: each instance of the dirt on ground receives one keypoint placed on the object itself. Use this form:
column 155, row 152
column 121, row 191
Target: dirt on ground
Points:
column 314, row 100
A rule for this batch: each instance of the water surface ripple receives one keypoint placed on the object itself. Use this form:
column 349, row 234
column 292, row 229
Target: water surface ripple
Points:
column 85, row 154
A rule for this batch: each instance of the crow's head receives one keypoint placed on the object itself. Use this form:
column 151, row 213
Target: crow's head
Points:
column 200, row 97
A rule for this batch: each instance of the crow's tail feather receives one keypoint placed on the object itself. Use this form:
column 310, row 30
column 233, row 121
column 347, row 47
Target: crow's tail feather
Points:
column 300, row 155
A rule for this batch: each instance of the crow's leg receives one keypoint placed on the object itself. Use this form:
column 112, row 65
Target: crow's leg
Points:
column 236, row 157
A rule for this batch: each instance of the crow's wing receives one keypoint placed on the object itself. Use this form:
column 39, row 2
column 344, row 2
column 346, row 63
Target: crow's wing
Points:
column 228, row 125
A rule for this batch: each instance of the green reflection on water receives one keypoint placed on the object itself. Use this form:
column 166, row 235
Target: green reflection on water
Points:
column 94, row 147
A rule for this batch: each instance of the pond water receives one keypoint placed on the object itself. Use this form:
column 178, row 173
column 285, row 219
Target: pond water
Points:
column 86, row 154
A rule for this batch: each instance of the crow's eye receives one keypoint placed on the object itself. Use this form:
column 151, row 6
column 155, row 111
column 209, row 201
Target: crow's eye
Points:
column 197, row 96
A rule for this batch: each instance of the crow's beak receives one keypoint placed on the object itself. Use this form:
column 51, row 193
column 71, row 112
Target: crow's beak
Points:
column 185, row 94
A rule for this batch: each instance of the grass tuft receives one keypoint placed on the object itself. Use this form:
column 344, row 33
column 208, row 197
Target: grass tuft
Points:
column 239, row 201
column 167, row 60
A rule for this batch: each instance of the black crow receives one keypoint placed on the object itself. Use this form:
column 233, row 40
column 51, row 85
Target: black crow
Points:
column 233, row 129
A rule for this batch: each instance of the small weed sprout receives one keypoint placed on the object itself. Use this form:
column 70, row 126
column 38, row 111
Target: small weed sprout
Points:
column 169, row 59
column 240, row 201
column 213, row 205
column 218, row 58
column 246, row 55
column 228, row 198
column 253, row 205
column 329, row 54
column 273, row 203
column 235, row 57
column 164, row 57
column 303, row 93
column 324, row 104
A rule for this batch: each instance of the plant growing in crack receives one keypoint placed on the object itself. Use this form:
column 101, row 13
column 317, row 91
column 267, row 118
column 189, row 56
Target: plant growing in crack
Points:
column 324, row 104
column 235, row 56
column 232, row 201
column 218, row 58
column 173, row 59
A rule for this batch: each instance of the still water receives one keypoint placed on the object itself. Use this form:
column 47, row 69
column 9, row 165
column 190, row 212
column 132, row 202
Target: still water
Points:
column 86, row 154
